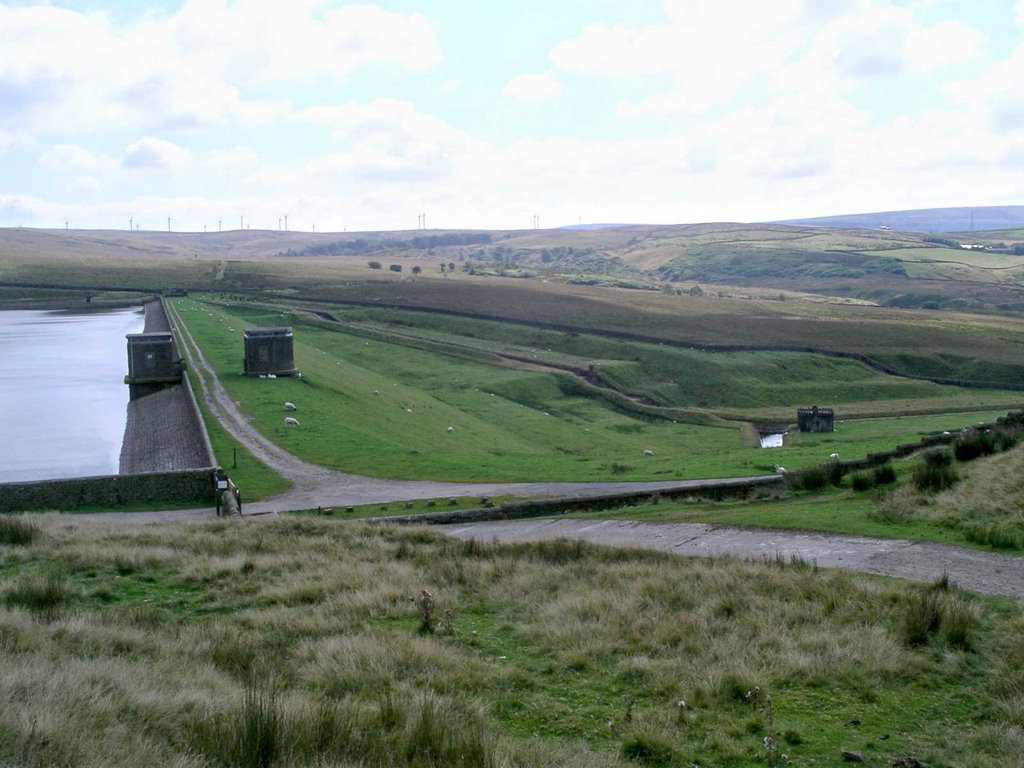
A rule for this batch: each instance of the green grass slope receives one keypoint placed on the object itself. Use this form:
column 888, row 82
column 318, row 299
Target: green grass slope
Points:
column 379, row 407
column 301, row 642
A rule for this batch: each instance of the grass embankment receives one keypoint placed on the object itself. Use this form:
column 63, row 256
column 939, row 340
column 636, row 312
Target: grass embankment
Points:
column 254, row 479
column 301, row 642
column 384, row 410
column 379, row 408
column 760, row 386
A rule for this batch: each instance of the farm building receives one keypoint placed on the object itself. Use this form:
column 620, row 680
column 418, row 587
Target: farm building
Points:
column 153, row 363
column 269, row 351
column 815, row 419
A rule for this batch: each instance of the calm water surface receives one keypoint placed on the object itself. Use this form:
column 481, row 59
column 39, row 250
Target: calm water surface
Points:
column 62, row 393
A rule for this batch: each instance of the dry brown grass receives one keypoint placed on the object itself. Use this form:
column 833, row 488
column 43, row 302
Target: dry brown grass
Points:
column 294, row 642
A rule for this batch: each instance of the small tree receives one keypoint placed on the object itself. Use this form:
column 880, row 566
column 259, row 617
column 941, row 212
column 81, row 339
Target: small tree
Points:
column 395, row 267
column 416, row 270
column 373, row 264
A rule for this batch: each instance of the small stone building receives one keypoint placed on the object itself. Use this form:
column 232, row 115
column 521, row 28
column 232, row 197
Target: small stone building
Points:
column 815, row 419
column 269, row 351
column 153, row 363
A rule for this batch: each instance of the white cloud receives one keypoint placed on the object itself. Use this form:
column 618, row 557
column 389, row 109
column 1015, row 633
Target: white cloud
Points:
column 204, row 65
column 533, row 87
column 386, row 139
column 69, row 158
column 722, row 52
column 154, row 154
column 995, row 98
column 884, row 40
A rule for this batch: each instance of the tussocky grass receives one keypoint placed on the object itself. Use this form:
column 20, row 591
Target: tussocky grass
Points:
column 295, row 641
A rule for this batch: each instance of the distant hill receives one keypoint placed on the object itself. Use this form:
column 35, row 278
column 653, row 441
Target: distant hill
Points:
column 586, row 227
column 974, row 219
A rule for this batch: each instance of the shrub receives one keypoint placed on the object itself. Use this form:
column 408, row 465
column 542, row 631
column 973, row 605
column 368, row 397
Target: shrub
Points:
column 44, row 596
column 1008, row 436
column 861, row 481
column 936, row 611
column 249, row 738
column 974, row 444
column 922, row 616
column 17, row 531
column 992, row 535
column 648, row 749
column 835, row 473
column 958, row 623
column 885, row 475
column 810, row 479
column 936, row 471
column 373, row 264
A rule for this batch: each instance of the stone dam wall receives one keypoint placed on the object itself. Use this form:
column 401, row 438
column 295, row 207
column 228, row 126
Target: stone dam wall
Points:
column 166, row 456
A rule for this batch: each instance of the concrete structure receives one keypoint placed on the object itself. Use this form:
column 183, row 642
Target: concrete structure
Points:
column 269, row 351
column 815, row 419
column 153, row 363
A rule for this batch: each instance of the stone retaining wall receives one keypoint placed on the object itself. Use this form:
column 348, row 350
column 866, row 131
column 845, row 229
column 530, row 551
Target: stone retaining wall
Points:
column 712, row 489
column 109, row 492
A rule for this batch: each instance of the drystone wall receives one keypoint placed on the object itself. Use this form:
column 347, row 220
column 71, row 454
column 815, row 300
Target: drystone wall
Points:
column 109, row 492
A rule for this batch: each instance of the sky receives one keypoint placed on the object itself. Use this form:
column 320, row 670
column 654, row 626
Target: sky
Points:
column 395, row 114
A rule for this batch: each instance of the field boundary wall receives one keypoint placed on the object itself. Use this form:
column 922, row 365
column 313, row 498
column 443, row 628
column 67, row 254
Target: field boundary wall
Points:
column 712, row 489
column 109, row 491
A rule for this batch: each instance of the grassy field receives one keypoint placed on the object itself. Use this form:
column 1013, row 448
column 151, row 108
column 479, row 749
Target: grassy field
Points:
column 756, row 385
column 304, row 642
column 379, row 408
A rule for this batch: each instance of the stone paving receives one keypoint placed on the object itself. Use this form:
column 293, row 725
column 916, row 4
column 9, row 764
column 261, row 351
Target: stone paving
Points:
column 160, row 434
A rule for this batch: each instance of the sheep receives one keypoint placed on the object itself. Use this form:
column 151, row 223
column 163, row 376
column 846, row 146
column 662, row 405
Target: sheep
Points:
column 290, row 422
column 376, row 391
column 271, row 375
column 834, row 456
column 289, row 406
column 780, row 470
column 451, row 429
column 648, row 452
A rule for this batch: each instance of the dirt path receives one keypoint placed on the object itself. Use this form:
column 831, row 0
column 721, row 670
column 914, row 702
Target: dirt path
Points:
column 315, row 486
column 985, row 572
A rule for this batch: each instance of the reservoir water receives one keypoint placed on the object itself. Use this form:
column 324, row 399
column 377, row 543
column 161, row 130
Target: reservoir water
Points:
column 63, row 400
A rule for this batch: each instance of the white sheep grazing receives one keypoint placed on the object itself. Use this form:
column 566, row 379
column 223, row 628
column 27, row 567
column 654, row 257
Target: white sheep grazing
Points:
column 289, row 406
column 648, row 452
column 271, row 375
column 834, row 456
column 780, row 470
column 451, row 429
column 290, row 422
